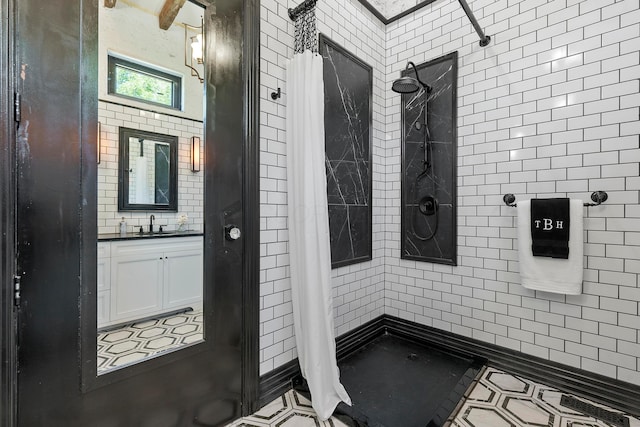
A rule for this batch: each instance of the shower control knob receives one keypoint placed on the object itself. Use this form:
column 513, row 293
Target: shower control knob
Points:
column 428, row 205
column 232, row 232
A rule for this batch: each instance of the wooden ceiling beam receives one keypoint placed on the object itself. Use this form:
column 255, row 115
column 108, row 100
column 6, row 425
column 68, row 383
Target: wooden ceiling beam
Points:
column 169, row 12
column 110, row 3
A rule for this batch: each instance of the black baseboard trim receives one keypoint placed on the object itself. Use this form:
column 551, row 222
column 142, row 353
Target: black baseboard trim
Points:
column 354, row 340
column 277, row 382
column 618, row 394
column 598, row 388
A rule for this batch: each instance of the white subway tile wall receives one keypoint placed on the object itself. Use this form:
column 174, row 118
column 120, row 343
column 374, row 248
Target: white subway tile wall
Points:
column 190, row 185
column 550, row 108
column 358, row 290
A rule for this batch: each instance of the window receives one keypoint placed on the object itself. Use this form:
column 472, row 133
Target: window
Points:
column 143, row 83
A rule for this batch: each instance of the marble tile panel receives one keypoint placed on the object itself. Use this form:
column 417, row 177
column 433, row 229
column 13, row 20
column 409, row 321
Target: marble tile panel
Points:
column 429, row 163
column 348, row 120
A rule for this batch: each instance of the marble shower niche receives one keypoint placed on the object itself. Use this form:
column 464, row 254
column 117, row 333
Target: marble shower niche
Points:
column 428, row 208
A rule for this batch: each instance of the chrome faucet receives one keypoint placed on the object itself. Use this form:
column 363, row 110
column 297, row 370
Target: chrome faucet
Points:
column 151, row 218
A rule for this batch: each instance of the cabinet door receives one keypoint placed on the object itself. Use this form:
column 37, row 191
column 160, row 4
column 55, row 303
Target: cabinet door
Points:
column 136, row 286
column 104, row 308
column 183, row 279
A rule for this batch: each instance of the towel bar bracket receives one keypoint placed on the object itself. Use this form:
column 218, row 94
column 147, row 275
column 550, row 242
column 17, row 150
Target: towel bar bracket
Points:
column 598, row 197
column 509, row 199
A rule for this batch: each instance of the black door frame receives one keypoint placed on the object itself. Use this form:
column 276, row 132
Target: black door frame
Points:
column 245, row 16
column 251, row 191
column 8, row 369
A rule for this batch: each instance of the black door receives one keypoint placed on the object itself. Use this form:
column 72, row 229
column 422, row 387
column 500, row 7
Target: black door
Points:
column 206, row 384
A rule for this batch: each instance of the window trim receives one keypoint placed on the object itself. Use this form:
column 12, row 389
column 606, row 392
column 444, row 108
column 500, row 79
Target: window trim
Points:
column 176, row 80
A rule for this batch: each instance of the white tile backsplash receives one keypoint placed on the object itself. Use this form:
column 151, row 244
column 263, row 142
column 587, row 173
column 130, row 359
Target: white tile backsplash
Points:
column 190, row 184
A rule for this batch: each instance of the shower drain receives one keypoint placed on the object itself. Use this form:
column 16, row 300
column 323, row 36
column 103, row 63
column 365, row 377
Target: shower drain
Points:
column 614, row 418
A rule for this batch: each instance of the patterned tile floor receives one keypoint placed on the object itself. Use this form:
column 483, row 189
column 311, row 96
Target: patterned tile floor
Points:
column 503, row 400
column 497, row 400
column 289, row 410
column 135, row 341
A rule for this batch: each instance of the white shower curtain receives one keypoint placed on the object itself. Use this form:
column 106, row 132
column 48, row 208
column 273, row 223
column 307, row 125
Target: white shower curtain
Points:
column 309, row 246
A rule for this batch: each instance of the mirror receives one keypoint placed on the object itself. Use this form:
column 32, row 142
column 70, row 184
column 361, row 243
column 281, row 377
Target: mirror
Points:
column 150, row 194
column 147, row 178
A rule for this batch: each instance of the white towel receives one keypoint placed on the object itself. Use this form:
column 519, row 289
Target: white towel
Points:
column 562, row 276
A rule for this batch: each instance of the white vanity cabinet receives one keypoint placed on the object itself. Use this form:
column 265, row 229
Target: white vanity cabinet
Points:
column 153, row 276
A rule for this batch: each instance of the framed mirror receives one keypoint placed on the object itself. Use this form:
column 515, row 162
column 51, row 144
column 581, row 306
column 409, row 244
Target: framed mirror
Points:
column 147, row 171
column 150, row 293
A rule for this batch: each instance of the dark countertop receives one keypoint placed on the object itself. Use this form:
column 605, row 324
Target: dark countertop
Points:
column 109, row 237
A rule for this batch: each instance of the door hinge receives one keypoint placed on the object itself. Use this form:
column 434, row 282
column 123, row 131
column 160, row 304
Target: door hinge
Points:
column 16, row 290
column 17, row 107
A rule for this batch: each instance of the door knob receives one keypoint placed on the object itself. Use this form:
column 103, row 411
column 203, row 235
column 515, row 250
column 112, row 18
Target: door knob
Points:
column 232, row 232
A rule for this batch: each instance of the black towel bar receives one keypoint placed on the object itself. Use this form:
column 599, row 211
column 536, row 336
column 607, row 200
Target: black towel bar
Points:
column 598, row 198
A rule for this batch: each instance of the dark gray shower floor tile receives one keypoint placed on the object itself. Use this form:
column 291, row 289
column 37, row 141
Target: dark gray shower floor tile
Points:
column 396, row 383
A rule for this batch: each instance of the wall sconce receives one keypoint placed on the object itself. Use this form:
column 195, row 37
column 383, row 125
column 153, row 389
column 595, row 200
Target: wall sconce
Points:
column 194, row 49
column 195, row 154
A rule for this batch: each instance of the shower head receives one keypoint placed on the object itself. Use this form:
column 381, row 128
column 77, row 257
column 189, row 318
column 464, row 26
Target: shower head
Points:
column 406, row 84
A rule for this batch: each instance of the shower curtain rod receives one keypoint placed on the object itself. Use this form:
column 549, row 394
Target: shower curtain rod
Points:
column 302, row 7
column 484, row 39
